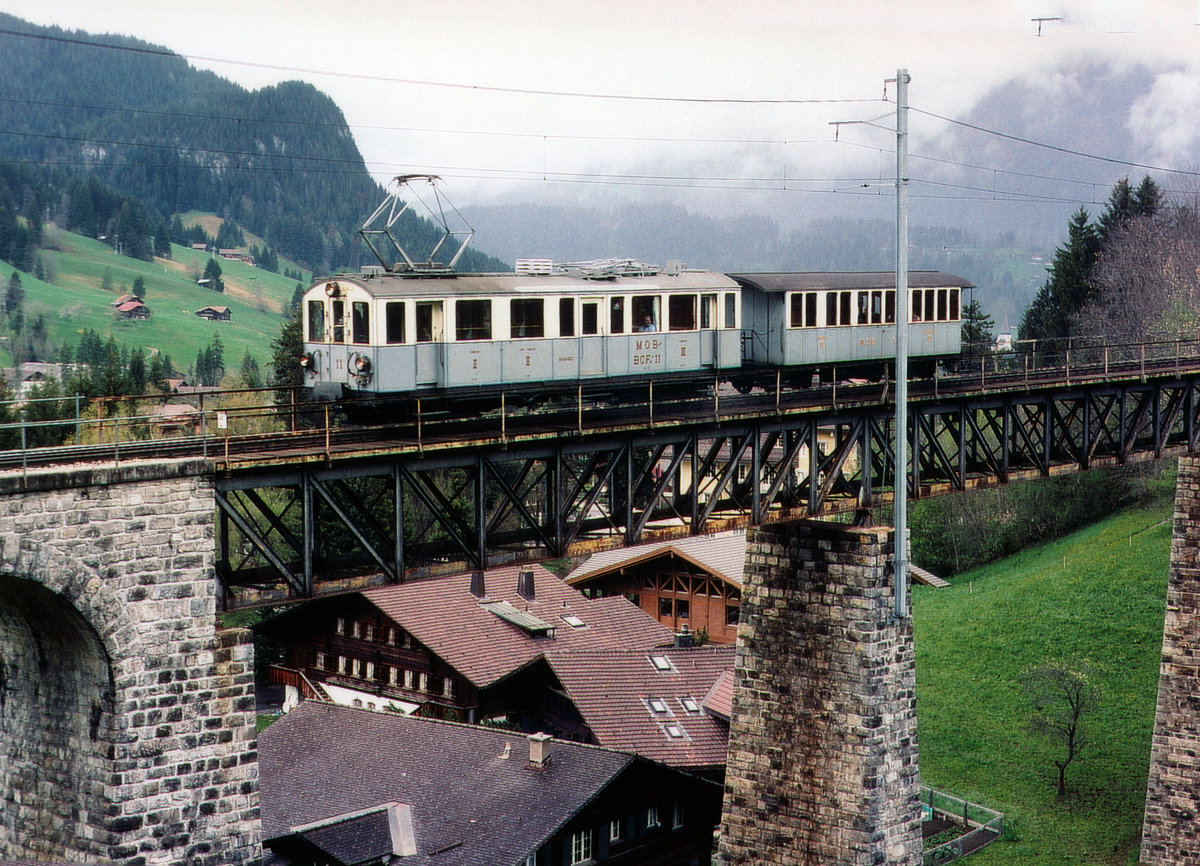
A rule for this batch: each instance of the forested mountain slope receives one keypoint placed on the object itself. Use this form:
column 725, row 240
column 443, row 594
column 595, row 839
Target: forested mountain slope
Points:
column 281, row 160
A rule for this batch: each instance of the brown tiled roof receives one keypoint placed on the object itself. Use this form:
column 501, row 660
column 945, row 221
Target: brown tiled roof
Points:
column 719, row 700
column 613, row 692
column 473, row 795
column 723, row 555
column 441, row 613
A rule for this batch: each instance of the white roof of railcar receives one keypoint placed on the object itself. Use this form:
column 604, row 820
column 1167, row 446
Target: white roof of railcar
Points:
column 817, row 280
column 392, row 285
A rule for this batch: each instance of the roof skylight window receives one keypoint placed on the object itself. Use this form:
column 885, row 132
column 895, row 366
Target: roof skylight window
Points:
column 572, row 620
column 658, row 706
column 690, row 705
column 674, row 732
column 661, row 663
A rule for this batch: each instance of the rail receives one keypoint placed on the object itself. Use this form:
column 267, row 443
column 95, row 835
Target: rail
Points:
column 980, row 825
column 245, row 426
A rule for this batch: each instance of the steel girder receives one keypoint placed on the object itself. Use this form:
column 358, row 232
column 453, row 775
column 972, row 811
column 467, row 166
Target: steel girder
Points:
column 299, row 533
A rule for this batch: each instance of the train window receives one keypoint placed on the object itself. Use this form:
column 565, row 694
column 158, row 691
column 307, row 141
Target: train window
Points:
column 617, row 316
column 796, row 318
column 527, row 317
column 360, row 322
column 708, row 311
column 931, row 305
column 316, row 321
column 943, row 311
column 429, row 321
column 954, row 305
column 589, row 315
column 566, row 317
column 804, row 310
column 394, row 314
column 864, row 304
column 339, row 321
column 845, row 310
column 876, row 307
column 916, row 306
column 645, row 313
column 472, row 320
column 889, row 306
column 681, row 312
column 831, row 307
column 730, row 310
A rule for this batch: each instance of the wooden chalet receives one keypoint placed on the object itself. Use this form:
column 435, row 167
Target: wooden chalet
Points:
column 462, row 647
column 214, row 314
column 689, row 583
column 342, row 786
column 133, row 309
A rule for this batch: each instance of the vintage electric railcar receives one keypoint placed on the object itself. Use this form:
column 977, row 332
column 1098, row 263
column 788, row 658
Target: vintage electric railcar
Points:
column 379, row 334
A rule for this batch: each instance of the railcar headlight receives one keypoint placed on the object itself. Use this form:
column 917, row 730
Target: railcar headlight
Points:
column 362, row 364
column 306, row 360
column 333, row 289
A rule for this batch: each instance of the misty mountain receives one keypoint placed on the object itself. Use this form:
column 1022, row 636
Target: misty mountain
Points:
column 281, row 160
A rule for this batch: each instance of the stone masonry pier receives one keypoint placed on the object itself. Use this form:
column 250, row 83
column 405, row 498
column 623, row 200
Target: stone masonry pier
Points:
column 126, row 718
column 1171, row 827
column 822, row 767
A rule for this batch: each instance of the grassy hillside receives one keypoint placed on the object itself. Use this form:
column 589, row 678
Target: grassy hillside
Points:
column 1099, row 595
column 73, row 300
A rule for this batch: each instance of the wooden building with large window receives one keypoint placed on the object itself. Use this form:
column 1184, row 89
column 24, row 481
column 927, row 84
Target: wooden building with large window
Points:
column 687, row 584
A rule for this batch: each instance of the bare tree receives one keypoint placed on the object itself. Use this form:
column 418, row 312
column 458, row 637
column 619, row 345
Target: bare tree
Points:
column 1062, row 694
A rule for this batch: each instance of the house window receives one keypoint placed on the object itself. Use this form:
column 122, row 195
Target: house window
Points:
column 407, row 643
column 614, row 830
column 357, row 629
column 370, row 670
column 391, row 636
column 393, row 676
column 320, row 661
column 658, row 706
column 447, row 687
column 731, row 614
column 343, row 665
column 651, row 817
column 690, row 705
column 362, row 669
column 677, row 815
column 581, row 847
column 424, row 680
column 341, row 625
column 674, row 732
column 682, row 608
column 369, row 631
column 408, row 680
column 665, row 607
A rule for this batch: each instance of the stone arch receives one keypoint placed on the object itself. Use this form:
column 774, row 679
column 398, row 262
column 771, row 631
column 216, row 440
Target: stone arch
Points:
column 57, row 697
column 65, row 645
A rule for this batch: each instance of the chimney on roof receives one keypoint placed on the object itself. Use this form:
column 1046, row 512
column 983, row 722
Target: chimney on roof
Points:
column 477, row 587
column 525, row 585
column 684, row 638
column 539, row 750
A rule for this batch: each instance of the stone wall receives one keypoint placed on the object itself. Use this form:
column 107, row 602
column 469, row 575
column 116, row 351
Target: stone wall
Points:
column 822, row 765
column 126, row 718
column 1171, row 828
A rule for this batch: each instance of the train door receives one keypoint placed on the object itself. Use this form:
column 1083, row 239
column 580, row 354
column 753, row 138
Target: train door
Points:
column 430, row 342
column 591, row 337
column 709, row 352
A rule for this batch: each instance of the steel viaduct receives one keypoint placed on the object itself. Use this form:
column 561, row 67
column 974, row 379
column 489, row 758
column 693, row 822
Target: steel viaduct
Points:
column 127, row 717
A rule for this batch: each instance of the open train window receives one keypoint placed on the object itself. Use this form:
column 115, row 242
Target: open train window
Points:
column 527, row 317
column 566, row 317
column 429, row 321
column 681, row 312
column 708, row 311
column 617, row 316
column 472, row 320
column 394, row 321
column 804, row 310
column 889, row 306
column 917, row 315
column 360, row 322
column 645, row 313
column 316, row 321
column 864, row 307
column 876, row 307
column 589, row 318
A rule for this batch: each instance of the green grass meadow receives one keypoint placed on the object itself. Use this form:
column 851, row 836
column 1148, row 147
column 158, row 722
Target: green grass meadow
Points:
column 1096, row 595
column 73, row 300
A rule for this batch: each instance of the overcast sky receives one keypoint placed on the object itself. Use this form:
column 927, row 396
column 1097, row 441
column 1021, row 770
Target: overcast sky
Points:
column 737, row 94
